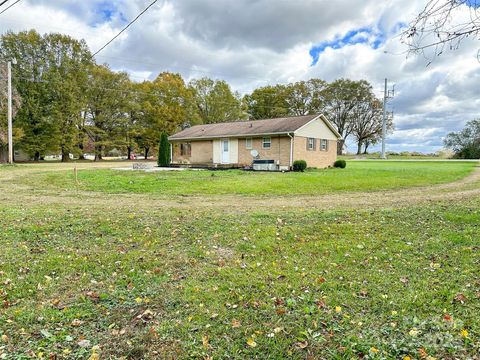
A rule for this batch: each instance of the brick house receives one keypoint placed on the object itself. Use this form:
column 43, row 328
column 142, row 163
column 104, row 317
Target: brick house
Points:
column 238, row 144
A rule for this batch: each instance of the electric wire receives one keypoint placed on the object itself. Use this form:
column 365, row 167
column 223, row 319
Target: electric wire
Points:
column 125, row 28
column 8, row 7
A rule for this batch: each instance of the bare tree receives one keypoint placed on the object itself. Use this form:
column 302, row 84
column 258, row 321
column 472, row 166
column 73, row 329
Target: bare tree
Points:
column 443, row 25
column 367, row 127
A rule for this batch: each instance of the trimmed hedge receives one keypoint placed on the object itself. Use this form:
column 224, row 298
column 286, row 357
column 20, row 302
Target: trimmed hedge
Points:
column 342, row 164
column 299, row 165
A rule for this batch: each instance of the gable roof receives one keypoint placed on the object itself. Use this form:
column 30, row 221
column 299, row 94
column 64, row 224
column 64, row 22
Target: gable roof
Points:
column 249, row 128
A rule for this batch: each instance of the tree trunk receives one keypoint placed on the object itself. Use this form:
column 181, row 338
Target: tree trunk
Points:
column 147, row 149
column 359, row 148
column 98, row 153
column 65, row 155
column 36, row 157
column 129, row 152
column 366, row 147
column 340, row 144
column 81, row 156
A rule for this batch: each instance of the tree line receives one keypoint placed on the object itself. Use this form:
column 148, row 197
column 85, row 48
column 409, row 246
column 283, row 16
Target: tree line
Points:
column 65, row 103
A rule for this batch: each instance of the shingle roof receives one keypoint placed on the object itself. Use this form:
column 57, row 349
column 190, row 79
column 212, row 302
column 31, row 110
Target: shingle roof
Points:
column 241, row 128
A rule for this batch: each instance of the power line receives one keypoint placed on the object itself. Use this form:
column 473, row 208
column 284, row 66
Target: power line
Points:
column 16, row 2
column 126, row 27
column 3, row 2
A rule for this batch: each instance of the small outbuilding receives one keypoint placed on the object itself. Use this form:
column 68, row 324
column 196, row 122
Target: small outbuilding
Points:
column 272, row 144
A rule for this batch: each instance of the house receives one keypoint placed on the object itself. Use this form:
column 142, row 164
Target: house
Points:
column 239, row 144
column 19, row 155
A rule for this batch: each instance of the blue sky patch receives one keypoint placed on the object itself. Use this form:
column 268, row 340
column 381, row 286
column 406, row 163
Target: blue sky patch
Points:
column 106, row 11
column 473, row 3
column 373, row 36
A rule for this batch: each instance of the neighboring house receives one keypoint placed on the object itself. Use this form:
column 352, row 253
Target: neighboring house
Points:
column 238, row 144
column 19, row 155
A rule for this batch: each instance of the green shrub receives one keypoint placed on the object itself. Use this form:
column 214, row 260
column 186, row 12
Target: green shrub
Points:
column 164, row 151
column 340, row 164
column 299, row 165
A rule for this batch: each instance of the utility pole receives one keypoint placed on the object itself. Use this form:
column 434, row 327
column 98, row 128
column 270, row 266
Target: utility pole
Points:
column 387, row 95
column 384, row 126
column 10, row 126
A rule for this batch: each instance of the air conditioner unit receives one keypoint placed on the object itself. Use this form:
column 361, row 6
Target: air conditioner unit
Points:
column 264, row 165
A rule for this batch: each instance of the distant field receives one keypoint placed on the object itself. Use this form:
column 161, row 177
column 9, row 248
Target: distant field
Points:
column 358, row 176
column 376, row 156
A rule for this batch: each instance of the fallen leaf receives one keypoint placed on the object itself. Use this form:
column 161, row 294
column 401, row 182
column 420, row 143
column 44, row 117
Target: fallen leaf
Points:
column 460, row 298
column 251, row 342
column 205, row 341
column 45, row 333
column 301, row 345
column 235, row 323
column 84, row 343
column 76, row 322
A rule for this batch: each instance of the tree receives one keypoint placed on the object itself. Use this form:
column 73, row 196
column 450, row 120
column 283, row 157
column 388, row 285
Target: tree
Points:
column 167, row 106
column 443, row 24
column 216, row 102
column 267, row 102
column 50, row 78
column 164, row 151
column 465, row 143
column 106, row 110
column 344, row 100
column 368, row 124
column 305, row 97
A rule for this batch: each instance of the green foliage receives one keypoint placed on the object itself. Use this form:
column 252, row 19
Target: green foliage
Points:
column 50, row 78
column 267, row 102
column 465, row 143
column 342, row 164
column 299, row 165
column 164, row 151
column 215, row 101
column 106, row 119
column 167, row 105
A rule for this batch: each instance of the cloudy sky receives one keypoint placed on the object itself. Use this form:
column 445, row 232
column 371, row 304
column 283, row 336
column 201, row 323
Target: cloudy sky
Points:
column 252, row 43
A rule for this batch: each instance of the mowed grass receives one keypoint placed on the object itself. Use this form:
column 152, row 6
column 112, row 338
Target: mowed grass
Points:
column 300, row 284
column 358, row 176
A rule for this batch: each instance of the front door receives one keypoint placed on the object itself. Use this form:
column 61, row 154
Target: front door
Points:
column 225, row 151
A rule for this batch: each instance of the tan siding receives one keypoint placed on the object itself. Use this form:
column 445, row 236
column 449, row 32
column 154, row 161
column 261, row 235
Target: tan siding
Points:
column 316, row 129
column 202, row 152
column 314, row 158
column 280, row 150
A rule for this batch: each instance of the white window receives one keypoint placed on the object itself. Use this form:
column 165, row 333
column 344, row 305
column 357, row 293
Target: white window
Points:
column 310, row 144
column 248, row 143
column 324, row 145
column 267, row 143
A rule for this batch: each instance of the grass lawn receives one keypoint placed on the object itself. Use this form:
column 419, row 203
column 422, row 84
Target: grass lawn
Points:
column 138, row 282
column 358, row 176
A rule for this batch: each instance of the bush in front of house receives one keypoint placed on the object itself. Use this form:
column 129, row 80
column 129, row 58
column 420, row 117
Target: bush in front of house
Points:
column 342, row 164
column 164, row 151
column 299, row 165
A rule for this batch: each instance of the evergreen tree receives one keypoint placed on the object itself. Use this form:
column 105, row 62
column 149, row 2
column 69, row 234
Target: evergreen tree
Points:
column 164, row 151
